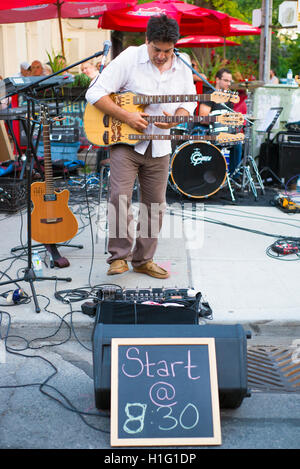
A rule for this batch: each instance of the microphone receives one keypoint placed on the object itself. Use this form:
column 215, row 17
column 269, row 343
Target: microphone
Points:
column 107, row 46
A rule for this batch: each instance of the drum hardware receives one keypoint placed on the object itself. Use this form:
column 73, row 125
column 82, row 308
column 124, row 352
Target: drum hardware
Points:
column 248, row 168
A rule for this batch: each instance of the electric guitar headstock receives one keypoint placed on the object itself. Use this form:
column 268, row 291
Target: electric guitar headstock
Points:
column 231, row 118
column 44, row 112
column 230, row 138
column 223, row 96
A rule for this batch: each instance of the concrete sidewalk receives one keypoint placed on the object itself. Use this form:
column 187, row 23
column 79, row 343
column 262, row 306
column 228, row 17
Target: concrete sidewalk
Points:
column 229, row 266
column 226, row 263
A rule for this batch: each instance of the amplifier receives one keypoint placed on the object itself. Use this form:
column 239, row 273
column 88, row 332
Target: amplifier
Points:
column 64, row 134
column 289, row 160
column 144, row 294
column 159, row 305
column 283, row 158
column 288, row 137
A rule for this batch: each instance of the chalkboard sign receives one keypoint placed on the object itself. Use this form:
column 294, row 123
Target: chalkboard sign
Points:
column 164, row 391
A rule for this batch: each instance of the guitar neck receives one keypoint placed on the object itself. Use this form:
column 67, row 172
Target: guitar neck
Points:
column 217, row 96
column 47, row 160
column 220, row 138
column 180, row 119
column 175, row 137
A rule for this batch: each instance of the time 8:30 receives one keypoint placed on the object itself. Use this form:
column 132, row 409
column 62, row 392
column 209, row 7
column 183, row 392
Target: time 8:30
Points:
column 136, row 413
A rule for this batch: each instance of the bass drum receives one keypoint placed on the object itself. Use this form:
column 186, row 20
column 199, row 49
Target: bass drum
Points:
column 198, row 169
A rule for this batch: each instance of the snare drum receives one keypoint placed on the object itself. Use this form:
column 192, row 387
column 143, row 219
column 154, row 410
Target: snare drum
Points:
column 198, row 169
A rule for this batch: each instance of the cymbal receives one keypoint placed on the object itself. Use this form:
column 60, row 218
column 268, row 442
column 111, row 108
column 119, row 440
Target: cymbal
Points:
column 244, row 85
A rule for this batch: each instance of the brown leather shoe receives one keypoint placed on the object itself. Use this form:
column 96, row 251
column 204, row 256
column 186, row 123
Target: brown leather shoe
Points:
column 117, row 267
column 152, row 269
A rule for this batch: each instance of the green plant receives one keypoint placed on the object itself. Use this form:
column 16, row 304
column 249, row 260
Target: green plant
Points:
column 81, row 80
column 56, row 61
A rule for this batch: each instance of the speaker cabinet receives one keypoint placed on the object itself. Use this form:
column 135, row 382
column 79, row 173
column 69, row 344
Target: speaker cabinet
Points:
column 231, row 356
column 289, row 160
column 128, row 312
column 283, row 157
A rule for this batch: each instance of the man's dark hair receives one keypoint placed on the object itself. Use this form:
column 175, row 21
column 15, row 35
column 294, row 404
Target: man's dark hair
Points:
column 220, row 72
column 162, row 29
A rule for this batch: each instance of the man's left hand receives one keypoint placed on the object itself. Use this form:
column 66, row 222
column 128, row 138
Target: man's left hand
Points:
column 162, row 125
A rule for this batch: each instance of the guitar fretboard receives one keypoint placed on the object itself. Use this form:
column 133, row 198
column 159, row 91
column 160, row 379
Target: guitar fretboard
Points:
column 180, row 98
column 221, row 138
column 180, row 119
column 171, row 137
column 47, row 161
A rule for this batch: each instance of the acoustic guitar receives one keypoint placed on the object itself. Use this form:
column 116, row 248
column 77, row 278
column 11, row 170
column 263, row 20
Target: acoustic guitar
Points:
column 104, row 130
column 51, row 219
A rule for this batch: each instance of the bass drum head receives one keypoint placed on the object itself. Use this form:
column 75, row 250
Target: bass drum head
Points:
column 198, row 169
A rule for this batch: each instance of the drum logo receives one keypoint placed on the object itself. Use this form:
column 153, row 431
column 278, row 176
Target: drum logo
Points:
column 198, row 158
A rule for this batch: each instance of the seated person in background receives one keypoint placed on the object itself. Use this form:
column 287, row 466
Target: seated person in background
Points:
column 89, row 69
column 47, row 70
column 196, row 77
column 273, row 78
column 25, row 70
column 37, row 68
column 60, row 62
column 223, row 82
column 198, row 83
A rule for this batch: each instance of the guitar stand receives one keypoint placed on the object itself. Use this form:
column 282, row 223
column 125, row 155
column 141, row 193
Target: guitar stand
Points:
column 59, row 261
column 29, row 275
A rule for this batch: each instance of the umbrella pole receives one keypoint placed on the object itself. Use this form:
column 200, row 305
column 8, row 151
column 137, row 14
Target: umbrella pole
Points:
column 60, row 29
column 224, row 49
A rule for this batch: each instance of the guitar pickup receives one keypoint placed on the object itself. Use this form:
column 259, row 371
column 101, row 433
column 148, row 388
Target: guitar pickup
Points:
column 50, row 197
column 51, row 220
column 106, row 120
column 106, row 137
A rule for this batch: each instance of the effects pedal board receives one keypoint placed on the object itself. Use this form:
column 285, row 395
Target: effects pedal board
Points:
column 140, row 295
column 185, row 296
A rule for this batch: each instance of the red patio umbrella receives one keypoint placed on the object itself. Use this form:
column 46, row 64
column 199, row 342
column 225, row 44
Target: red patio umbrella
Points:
column 191, row 19
column 240, row 28
column 23, row 11
column 204, row 41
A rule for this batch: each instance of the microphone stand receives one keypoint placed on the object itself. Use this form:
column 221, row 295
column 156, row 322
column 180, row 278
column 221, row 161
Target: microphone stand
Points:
column 29, row 274
column 176, row 52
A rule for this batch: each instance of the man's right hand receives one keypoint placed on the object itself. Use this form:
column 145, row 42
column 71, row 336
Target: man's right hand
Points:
column 135, row 121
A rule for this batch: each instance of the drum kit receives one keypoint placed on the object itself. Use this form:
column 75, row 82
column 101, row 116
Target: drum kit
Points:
column 199, row 169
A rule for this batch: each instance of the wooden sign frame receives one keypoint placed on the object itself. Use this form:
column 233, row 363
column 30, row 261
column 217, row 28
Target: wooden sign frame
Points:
column 215, row 439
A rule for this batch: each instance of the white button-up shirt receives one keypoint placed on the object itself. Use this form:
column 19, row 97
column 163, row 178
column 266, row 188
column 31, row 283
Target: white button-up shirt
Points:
column 133, row 71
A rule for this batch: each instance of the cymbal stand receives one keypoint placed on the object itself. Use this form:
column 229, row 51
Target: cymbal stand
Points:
column 248, row 167
column 228, row 183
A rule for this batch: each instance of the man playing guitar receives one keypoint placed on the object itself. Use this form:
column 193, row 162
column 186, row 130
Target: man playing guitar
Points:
column 150, row 69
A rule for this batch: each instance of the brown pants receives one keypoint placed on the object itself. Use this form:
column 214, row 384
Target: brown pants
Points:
column 125, row 166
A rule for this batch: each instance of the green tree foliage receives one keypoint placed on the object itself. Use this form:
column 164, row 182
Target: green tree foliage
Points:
column 243, row 60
